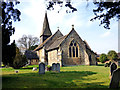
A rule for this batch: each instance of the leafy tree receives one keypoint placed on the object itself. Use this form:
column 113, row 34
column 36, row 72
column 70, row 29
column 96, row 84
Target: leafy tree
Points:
column 33, row 47
column 103, row 58
column 112, row 55
column 28, row 42
column 97, row 59
column 19, row 60
column 9, row 14
column 105, row 10
column 51, row 3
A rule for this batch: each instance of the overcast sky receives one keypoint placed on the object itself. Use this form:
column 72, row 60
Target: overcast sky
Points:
column 32, row 15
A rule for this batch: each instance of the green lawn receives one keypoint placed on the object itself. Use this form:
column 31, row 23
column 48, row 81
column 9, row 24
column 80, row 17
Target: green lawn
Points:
column 69, row 77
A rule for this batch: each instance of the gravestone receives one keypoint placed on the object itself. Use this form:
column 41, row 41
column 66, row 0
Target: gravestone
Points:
column 114, row 83
column 41, row 68
column 113, row 67
column 34, row 68
column 53, row 67
column 58, row 67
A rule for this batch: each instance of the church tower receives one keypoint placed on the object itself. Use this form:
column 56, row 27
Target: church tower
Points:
column 46, row 32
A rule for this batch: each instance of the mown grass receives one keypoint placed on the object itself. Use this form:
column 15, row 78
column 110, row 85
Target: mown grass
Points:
column 69, row 77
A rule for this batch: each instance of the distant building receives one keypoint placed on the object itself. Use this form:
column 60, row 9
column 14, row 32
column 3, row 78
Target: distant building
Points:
column 32, row 57
column 66, row 50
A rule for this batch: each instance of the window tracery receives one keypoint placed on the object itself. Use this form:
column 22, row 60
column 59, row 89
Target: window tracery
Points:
column 73, row 49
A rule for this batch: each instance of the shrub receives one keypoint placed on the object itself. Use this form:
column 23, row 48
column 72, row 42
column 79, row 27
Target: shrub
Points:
column 97, row 59
column 112, row 55
column 20, row 60
column 103, row 58
column 49, row 68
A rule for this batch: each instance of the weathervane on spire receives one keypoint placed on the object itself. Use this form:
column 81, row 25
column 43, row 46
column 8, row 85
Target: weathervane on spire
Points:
column 58, row 28
column 72, row 26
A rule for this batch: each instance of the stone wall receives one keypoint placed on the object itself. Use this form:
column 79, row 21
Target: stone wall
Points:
column 66, row 59
column 41, row 54
column 61, row 55
column 87, row 62
column 93, row 58
column 53, row 57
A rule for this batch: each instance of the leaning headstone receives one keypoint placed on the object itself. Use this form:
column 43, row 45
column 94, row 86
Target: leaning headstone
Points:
column 58, row 67
column 114, row 83
column 53, row 67
column 113, row 67
column 41, row 68
column 34, row 68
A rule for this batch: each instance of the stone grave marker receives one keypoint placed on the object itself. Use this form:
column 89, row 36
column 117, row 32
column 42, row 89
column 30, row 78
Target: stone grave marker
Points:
column 53, row 67
column 114, row 83
column 113, row 67
column 58, row 67
column 34, row 68
column 41, row 68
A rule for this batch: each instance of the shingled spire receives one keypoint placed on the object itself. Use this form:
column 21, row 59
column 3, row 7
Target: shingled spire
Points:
column 46, row 32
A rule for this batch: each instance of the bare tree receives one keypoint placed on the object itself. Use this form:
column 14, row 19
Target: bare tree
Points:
column 27, row 41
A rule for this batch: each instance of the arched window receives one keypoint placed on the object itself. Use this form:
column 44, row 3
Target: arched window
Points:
column 76, row 51
column 73, row 49
column 70, row 51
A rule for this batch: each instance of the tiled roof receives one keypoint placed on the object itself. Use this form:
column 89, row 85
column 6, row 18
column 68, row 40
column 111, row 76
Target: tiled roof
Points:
column 41, row 45
column 56, row 43
column 86, row 44
column 31, row 54
column 49, row 40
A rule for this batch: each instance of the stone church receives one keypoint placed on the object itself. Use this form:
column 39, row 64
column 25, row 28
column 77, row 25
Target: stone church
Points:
column 66, row 50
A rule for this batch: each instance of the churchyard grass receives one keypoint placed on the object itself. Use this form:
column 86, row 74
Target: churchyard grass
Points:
column 69, row 77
